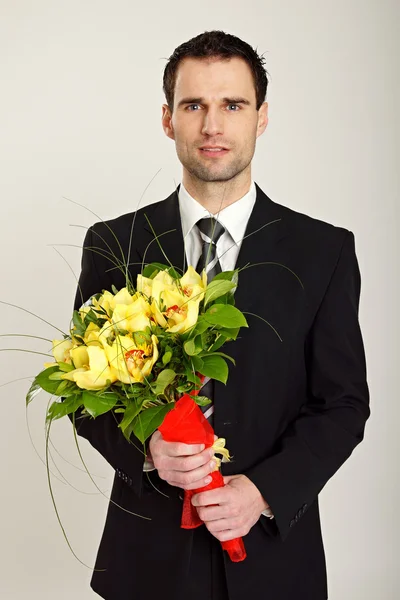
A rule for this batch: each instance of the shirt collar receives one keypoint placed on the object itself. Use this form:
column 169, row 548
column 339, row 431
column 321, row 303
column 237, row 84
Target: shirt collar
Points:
column 233, row 217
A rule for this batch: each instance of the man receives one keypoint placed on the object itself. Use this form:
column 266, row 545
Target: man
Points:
column 295, row 404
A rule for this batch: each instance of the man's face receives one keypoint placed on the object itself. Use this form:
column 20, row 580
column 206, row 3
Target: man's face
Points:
column 215, row 105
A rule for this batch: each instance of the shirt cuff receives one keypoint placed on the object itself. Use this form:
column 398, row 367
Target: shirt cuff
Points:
column 268, row 513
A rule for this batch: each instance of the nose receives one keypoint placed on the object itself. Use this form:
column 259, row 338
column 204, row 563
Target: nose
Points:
column 213, row 122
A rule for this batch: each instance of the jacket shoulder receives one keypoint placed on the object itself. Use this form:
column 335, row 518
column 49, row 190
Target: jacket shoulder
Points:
column 307, row 225
column 134, row 218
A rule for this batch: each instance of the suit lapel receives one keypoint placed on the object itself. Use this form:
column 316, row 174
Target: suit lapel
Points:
column 265, row 228
column 165, row 220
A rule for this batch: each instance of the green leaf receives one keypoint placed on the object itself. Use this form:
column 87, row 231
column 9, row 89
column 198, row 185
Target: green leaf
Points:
column 226, row 276
column 192, row 377
column 67, row 388
column 45, row 383
column 223, row 336
column 201, row 326
column 129, row 414
column 60, row 409
column 56, row 376
column 202, row 400
column 90, row 317
column 215, row 367
column 197, row 363
column 166, row 357
column 141, row 337
column 218, row 288
column 98, row 404
column 76, row 319
column 152, row 269
column 229, row 333
column 66, row 367
column 220, row 354
column 32, row 391
column 147, row 422
column 225, row 315
column 193, row 346
column 164, row 378
column 78, row 323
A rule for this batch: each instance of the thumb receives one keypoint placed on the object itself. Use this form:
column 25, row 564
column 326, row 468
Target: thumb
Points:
column 228, row 478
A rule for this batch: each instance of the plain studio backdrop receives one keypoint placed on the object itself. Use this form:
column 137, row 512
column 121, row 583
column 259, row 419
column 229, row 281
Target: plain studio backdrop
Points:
column 80, row 118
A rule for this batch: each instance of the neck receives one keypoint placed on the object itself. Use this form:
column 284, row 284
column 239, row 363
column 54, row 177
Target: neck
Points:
column 216, row 195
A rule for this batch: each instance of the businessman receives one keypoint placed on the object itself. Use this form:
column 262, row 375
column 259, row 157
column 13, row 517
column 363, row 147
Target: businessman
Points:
column 296, row 403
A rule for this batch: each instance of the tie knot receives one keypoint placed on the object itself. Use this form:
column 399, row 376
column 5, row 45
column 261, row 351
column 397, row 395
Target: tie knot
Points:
column 210, row 228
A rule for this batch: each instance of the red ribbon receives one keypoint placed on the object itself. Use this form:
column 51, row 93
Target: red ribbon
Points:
column 186, row 423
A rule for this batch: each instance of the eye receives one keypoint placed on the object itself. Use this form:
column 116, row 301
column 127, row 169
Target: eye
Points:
column 233, row 104
column 190, row 106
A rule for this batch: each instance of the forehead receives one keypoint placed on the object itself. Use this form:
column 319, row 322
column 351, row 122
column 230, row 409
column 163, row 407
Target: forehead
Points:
column 213, row 78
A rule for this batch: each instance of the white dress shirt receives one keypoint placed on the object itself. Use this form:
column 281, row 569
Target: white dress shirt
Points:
column 234, row 218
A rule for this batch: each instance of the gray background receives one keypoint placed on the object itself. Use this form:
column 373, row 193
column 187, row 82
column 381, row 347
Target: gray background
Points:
column 80, row 116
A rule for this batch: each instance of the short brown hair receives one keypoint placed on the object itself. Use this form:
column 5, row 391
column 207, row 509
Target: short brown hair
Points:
column 216, row 44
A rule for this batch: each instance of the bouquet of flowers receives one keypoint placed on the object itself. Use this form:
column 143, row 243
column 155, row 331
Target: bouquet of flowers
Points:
column 143, row 353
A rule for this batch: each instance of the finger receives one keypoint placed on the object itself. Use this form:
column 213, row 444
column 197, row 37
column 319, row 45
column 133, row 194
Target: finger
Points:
column 228, row 523
column 197, row 484
column 180, row 449
column 217, row 496
column 229, row 534
column 218, row 512
column 190, row 486
column 188, row 463
column 188, row 478
column 182, row 463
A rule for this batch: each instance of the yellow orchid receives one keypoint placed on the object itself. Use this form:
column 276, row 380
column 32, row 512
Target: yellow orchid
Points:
column 105, row 302
column 144, row 285
column 80, row 357
column 95, row 374
column 154, row 287
column 91, row 336
column 61, row 350
column 122, row 297
column 181, row 313
column 132, row 317
column 131, row 362
column 193, row 285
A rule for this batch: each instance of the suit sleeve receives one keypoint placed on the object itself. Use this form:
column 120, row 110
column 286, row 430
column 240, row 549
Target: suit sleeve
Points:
column 332, row 421
column 103, row 432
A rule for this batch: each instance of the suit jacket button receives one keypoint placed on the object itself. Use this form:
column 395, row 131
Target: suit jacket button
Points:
column 291, row 523
column 180, row 495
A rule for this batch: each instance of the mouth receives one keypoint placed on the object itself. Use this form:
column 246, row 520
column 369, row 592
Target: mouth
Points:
column 213, row 151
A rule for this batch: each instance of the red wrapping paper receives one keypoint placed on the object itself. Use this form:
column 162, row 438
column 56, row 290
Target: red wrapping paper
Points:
column 186, row 423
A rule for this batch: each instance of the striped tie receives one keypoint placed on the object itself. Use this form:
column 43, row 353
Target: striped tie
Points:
column 210, row 232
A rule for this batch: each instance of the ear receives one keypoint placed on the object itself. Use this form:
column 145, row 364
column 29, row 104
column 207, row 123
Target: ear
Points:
column 166, row 121
column 262, row 118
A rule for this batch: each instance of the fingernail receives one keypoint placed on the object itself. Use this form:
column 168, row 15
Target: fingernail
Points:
column 213, row 464
column 207, row 480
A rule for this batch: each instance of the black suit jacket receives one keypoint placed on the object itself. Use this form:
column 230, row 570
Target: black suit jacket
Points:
column 292, row 411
